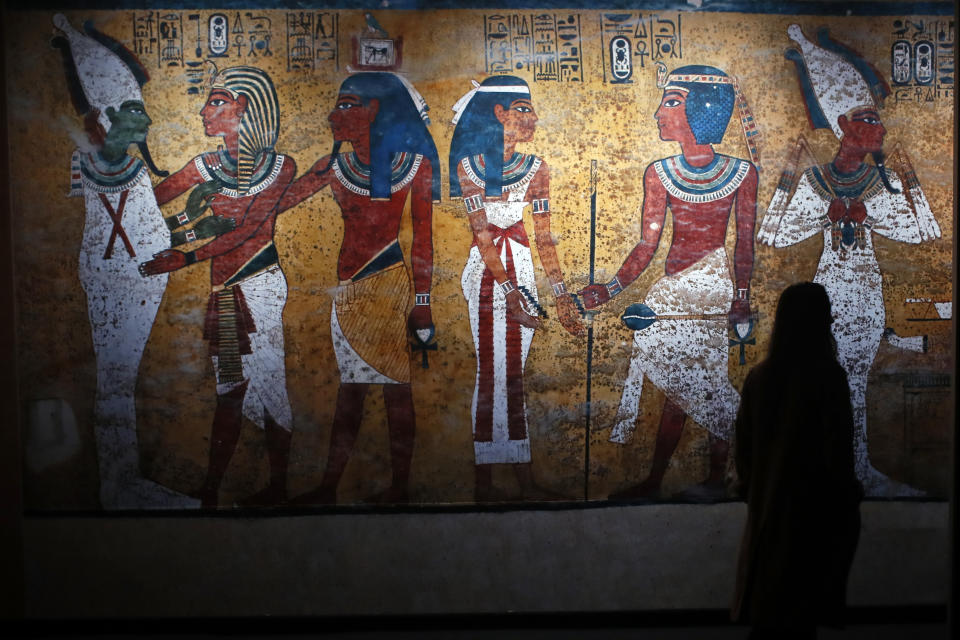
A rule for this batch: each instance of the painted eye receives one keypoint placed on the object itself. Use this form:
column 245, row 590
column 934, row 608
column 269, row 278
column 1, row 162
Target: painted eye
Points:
column 345, row 105
column 870, row 120
column 216, row 102
column 672, row 102
column 523, row 109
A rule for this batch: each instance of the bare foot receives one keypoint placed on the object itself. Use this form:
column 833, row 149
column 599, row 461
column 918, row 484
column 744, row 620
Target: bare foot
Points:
column 208, row 497
column 877, row 484
column 139, row 493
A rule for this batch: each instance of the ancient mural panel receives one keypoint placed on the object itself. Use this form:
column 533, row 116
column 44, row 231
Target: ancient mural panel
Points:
column 286, row 259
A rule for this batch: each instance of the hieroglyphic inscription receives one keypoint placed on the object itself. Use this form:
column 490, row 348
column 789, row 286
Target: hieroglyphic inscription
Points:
column 631, row 40
column 158, row 36
column 218, row 35
column 170, row 30
column 312, row 40
column 546, row 45
column 251, row 35
column 922, row 60
column 144, row 35
column 946, row 36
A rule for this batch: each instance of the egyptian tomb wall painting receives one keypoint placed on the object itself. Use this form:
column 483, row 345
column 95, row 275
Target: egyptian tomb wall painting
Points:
column 275, row 258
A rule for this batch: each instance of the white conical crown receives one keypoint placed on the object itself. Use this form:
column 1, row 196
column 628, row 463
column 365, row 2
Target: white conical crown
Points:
column 105, row 78
column 838, row 85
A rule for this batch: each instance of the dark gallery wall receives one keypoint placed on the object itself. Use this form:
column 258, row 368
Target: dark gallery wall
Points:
column 11, row 504
column 651, row 557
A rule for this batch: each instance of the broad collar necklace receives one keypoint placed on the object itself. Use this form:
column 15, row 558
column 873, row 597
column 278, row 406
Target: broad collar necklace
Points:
column 714, row 181
column 862, row 183
column 355, row 175
column 222, row 167
column 517, row 172
column 110, row 177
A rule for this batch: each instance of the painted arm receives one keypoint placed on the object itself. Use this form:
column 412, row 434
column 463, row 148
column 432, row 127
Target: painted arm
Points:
column 177, row 184
column 421, row 209
column 652, row 217
column 539, row 193
column 260, row 209
column 306, row 185
column 488, row 252
column 745, row 211
column 803, row 216
column 929, row 229
column 197, row 203
column 169, row 188
column 891, row 216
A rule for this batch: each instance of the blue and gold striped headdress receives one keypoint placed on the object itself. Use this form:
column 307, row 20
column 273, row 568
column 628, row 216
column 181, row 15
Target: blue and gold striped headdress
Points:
column 260, row 123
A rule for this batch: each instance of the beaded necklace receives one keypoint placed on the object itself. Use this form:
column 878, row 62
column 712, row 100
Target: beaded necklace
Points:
column 517, row 172
column 718, row 179
column 355, row 175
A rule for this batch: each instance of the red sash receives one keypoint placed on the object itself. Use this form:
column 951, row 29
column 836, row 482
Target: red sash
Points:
column 516, row 232
column 516, row 421
column 117, row 229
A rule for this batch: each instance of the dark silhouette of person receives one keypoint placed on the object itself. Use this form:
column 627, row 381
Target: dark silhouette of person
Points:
column 795, row 462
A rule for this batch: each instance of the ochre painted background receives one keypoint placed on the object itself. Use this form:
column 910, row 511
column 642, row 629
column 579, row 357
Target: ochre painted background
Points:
column 442, row 52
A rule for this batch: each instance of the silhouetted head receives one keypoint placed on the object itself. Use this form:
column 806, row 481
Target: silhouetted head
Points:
column 801, row 328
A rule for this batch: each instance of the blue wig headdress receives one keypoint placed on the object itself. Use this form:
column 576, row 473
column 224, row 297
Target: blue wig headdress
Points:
column 711, row 96
column 399, row 126
column 710, row 99
column 479, row 132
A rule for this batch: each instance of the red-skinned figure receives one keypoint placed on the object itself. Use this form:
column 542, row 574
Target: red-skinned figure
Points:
column 498, row 281
column 241, row 183
column 372, row 323
column 686, row 358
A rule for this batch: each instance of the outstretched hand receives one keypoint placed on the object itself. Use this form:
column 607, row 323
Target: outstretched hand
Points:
column 569, row 315
column 164, row 262
column 516, row 311
column 420, row 318
column 740, row 312
column 594, row 295
column 213, row 226
column 199, row 198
